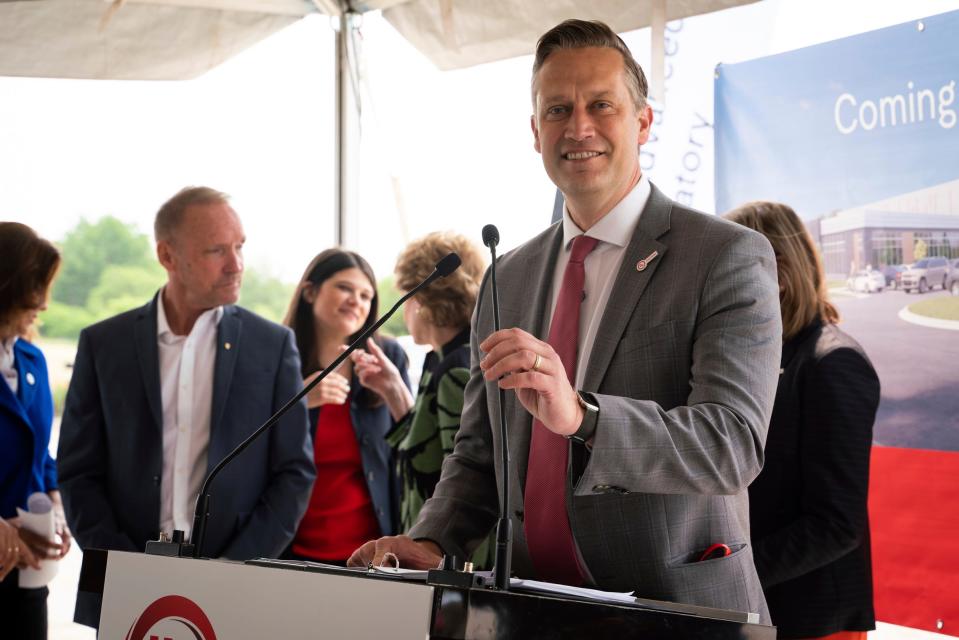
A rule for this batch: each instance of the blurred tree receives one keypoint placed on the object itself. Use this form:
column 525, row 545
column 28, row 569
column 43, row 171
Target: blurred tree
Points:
column 389, row 294
column 64, row 320
column 265, row 294
column 920, row 248
column 90, row 248
column 124, row 282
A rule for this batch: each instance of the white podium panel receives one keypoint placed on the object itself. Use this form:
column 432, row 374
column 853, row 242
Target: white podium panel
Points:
column 149, row 597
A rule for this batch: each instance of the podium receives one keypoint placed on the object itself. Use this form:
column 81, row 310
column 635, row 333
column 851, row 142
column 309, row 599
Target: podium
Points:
column 147, row 597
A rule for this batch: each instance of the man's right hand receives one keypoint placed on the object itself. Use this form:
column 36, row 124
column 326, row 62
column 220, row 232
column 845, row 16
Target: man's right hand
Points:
column 412, row 554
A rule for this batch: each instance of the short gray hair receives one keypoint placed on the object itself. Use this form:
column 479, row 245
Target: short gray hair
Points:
column 170, row 215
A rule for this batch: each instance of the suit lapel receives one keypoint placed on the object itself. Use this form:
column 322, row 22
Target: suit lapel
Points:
column 629, row 285
column 536, row 320
column 10, row 401
column 145, row 335
column 29, row 376
column 227, row 346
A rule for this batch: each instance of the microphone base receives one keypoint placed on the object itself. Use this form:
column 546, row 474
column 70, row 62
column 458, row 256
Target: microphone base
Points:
column 175, row 548
column 455, row 579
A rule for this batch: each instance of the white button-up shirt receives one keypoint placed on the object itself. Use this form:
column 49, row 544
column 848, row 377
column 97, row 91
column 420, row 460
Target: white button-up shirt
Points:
column 186, row 388
column 614, row 231
column 8, row 364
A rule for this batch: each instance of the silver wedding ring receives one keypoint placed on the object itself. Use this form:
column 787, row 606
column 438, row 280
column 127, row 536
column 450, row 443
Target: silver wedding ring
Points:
column 538, row 361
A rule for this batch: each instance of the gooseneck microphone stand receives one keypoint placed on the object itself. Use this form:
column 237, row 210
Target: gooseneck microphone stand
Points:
column 503, row 558
column 444, row 267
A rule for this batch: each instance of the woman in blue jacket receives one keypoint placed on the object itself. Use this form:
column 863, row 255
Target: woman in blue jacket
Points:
column 353, row 499
column 27, row 268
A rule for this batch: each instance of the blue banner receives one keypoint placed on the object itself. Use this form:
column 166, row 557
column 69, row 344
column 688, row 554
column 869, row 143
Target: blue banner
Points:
column 843, row 123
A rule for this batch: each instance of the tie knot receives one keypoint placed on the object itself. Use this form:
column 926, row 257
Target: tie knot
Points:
column 582, row 246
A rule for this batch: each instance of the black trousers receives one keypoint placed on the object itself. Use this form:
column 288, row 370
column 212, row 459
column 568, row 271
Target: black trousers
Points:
column 23, row 612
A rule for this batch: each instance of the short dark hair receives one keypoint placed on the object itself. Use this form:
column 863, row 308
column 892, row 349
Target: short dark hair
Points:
column 28, row 267
column 170, row 215
column 580, row 34
column 449, row 301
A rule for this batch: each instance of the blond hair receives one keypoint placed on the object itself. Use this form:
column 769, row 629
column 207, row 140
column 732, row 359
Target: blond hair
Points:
column 803, row 296
column 449, row 301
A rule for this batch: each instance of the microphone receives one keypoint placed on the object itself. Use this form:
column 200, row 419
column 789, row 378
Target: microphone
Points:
column 491, row 236
column 503, row 557
column 443, row 268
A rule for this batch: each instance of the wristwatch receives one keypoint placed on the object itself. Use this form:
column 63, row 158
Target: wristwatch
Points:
column 590, row 417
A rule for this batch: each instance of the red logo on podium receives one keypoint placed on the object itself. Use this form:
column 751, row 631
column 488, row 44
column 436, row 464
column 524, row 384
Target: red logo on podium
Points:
column 175, row 609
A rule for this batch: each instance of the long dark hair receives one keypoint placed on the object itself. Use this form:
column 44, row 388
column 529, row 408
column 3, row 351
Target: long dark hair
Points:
column 299, row 315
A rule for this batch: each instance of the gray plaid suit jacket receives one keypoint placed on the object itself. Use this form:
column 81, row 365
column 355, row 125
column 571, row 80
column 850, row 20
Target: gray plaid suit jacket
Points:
column 684, row 369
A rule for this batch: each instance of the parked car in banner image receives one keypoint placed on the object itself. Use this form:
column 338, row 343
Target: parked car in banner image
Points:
column 926, row 274
column 952, row 282
column 867, row 281
column 893, row 274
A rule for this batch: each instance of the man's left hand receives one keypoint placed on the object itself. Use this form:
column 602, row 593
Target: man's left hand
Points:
column 540, row 383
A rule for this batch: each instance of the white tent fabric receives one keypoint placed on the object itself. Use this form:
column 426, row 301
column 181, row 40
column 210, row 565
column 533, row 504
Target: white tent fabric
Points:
column 181, row 39
column 461, row 33
column 173, row 40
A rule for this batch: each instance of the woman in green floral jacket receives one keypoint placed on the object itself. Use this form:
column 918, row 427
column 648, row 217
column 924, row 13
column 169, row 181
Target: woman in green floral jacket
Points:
column 438, row 316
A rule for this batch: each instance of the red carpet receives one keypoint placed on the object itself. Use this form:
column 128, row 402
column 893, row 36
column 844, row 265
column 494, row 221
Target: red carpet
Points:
column 914, row 515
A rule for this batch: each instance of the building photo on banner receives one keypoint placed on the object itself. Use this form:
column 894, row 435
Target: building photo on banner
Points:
column 873, row 170
column 844, row 110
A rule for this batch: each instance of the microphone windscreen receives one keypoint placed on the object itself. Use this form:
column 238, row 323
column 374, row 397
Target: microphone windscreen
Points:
column 448, row 265
column 490, row 235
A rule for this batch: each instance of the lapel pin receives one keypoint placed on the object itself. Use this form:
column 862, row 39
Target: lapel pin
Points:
column 30, row 378
column 227, row 346
column 642, row 264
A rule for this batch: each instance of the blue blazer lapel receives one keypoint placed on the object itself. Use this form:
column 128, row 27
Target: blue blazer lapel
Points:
column 29, row 376
column 10, row 402
column 629, row 285
column 227, row 345
column 145, row 335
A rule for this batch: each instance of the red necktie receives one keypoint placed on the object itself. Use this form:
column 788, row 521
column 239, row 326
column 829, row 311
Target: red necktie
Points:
column 546, row 520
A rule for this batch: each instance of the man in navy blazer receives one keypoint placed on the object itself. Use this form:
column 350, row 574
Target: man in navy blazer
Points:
column 161, row 393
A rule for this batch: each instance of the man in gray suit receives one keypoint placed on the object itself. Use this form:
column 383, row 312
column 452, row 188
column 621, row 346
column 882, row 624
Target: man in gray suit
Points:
column 161, row 393
column 652, row 385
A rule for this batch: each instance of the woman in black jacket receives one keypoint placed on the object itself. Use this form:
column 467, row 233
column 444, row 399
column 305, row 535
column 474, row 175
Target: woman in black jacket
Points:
column 808, row 511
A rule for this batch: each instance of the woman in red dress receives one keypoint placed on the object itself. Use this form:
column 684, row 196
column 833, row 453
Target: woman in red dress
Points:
column 353, row 498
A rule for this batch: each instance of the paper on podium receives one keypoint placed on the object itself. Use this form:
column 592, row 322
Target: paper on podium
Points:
column 39, row 520
column 579, row 592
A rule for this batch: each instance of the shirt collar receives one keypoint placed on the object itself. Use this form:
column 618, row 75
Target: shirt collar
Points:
column 617, row 226
column 6, row 352
column 163, row 327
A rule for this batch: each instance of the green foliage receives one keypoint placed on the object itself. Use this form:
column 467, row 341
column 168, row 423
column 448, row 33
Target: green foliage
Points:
column 108, row 267
column 388, row 295
column 920, row 248
column 89, row 249
column 124, row 282
column 265, row 294
column 64, row 320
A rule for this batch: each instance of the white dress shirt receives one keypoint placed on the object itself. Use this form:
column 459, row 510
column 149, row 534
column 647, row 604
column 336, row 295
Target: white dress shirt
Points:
column 614, row 231
column 8, row 364
column 186, row 388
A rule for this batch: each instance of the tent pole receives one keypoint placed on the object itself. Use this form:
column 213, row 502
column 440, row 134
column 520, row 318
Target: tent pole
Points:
column 342, row 88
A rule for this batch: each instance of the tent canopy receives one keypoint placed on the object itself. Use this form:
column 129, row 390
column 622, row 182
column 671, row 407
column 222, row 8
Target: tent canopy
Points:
column 181, row 39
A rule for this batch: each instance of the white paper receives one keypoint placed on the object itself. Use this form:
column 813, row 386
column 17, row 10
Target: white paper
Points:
column 39, row 520
column 581, row 592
